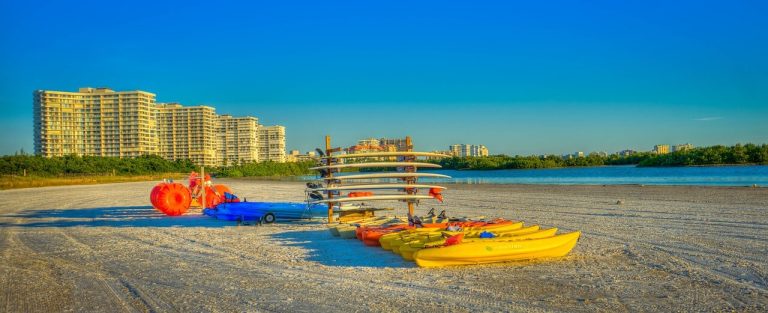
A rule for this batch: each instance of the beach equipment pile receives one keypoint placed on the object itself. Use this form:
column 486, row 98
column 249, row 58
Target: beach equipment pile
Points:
column 175, row 199
column 433, row 240
column 436, row 241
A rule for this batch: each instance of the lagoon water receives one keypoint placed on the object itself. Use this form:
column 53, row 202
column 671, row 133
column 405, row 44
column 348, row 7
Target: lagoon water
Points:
column 616, row 175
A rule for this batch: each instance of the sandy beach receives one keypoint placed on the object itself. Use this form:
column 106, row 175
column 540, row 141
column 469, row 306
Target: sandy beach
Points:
column 103, row 248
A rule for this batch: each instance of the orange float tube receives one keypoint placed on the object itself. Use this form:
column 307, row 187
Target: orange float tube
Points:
column 221, row 189
column 173, row 199
column 212, row 199
column 356, row 194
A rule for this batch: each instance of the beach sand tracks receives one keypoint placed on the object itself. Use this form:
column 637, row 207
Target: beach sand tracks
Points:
column 664, row 249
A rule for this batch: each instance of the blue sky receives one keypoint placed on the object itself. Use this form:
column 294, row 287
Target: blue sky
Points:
column 521, row 78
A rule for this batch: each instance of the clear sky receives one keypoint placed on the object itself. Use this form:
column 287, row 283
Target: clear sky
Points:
column 521, row 78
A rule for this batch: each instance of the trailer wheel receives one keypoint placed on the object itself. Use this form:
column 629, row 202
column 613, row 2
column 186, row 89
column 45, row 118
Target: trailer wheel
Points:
column 269, row 218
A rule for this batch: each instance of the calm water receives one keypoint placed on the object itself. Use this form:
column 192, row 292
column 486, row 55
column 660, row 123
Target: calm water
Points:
column 614, row 175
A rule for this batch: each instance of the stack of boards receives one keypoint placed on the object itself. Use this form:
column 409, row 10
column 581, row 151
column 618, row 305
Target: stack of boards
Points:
column 333, row 184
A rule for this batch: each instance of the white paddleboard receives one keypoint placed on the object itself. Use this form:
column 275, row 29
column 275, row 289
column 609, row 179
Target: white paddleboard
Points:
column 378, row 164
column 377, row 186
column 374, row 198
column 387, row 154
column 386, row 175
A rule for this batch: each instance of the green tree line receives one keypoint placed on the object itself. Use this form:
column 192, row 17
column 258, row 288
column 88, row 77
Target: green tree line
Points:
column 714, row 155
column 90, row 165
column 267, row 168
column 20, row 165
column 152, row 164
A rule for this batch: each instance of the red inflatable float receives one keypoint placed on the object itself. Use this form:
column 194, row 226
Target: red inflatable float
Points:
column 221, row 189
column 171, row 198
column 212, row 198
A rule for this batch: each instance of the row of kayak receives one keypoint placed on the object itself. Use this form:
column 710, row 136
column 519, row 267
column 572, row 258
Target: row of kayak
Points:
column 466, row 241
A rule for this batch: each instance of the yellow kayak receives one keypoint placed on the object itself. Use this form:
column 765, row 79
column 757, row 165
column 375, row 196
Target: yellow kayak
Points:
column 440, row 236
column 533, row 232
column 469, row 232
column 481, row 252
column 347, row 231
column 334, row 229
column 429, row 220
column 392, row 241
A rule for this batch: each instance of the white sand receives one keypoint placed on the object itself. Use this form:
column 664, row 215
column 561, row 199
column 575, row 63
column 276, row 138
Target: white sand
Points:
column 103, row 248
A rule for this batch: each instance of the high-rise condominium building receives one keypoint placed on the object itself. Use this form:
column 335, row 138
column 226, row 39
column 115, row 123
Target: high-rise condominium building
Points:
column 237, row 139
column 464, row 150
column 103, row 122
column 94, row 122
column 187, row 132
column 272, row 143
column 661, row 149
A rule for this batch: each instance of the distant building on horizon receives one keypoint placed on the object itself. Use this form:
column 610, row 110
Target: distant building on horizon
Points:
column 661, row 149
column 578, row 154
column 373, row 142
column 443, row 152
column 108, row 123
column 465, row 150
column 365, row 146
column 626, row 153
column 296, row 156
column 378, row 145
column 398, row 143
column 682, row 147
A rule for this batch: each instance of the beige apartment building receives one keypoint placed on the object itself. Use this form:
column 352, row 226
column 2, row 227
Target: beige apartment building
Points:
column 464, row 150
column 187, row 132
column 272, row 143
column 237, row 139
column 94, row 122
column 661, row 149
column 104, row 122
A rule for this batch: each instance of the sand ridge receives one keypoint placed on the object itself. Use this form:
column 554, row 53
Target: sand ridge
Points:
column 103, row 248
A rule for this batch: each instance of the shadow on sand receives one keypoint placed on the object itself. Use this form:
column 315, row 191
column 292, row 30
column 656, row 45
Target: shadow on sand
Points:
column 322, row 247
column 131, row 216
column 334, row 251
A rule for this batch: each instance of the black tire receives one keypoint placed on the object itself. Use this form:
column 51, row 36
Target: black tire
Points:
column 269, row 218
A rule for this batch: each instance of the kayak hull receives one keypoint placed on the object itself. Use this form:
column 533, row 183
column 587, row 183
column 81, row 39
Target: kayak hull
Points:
column 497, row 251
column 392, row 241
column 533, row 232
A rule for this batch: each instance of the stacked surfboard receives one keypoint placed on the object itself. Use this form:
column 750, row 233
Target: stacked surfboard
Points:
column 398, row 181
